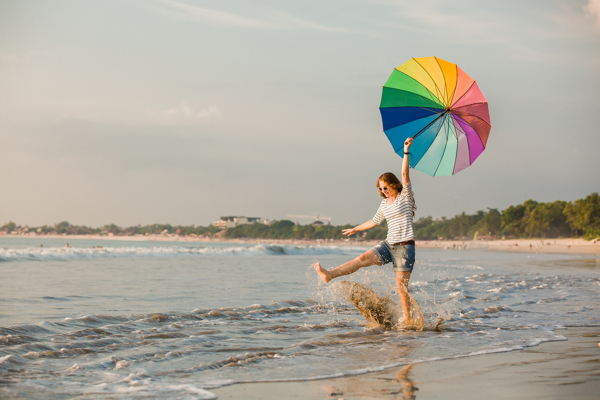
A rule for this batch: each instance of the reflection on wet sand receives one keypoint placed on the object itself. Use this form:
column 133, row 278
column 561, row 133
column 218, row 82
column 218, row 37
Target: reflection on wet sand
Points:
column 380, row 386
column 408, row 389
column 556, row 370
column 403, row 387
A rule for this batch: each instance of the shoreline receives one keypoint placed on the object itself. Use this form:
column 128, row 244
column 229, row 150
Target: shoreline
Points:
column 558, row 369
column 546, row 246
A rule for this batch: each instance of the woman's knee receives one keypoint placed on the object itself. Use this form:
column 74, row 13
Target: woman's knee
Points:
column 365, row 258
column 360, row 259
column 402, row 279
column 403, row 276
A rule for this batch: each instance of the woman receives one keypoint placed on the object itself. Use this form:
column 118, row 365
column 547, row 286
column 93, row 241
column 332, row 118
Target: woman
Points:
column 398, row 208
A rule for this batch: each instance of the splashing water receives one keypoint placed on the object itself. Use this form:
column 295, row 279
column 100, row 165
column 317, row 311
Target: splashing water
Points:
column 381, row 311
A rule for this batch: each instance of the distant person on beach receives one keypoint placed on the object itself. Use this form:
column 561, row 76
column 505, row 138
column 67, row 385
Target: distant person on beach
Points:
column 398, row 208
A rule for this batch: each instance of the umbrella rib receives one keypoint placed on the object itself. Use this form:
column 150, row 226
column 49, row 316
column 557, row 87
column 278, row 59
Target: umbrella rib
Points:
column 465, row 135
column 432, row 80
column 463, row 95
column 416, row 94
column 476, row 134
column 430, row 144
column 454, row 89
column 433, row 98
column 460, row 112
column 475, row 116
column 408, row 122
column 469, row 105
column 456, row 152
column 445, row 147
column 446, row 101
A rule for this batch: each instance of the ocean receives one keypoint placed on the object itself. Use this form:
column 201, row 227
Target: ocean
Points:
column 154, row 320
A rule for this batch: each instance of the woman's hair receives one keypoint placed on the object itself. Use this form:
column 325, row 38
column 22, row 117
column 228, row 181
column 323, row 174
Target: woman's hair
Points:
column 394, row 183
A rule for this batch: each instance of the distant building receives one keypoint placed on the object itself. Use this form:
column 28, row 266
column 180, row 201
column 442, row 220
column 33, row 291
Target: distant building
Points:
column 232, row 222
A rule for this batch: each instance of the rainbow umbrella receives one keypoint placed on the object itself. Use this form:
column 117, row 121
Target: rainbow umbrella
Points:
column 442, row 108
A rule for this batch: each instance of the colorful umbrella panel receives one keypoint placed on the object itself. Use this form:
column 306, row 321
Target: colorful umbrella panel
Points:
column 439, row 105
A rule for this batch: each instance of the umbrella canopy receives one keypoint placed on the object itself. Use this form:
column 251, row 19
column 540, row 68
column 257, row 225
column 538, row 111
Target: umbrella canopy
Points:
column 439, row 105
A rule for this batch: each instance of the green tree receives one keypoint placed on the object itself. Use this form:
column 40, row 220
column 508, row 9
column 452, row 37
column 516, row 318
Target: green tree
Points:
column 112, row 228
column 491, row 222
column 9, row 227
column 583, row 215
column 547, row 220
column 516, row 218
column 62, row 227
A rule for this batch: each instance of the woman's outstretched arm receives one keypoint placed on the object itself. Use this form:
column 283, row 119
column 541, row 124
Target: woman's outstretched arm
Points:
column 405, row 162
column 362, row 227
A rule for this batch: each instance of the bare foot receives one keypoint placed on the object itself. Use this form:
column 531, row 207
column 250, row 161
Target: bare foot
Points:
column 323, row 273
column 406, row 324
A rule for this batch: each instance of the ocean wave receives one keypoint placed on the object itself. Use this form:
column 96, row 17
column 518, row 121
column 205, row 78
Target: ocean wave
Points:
column 212, row 347
column 70, row 253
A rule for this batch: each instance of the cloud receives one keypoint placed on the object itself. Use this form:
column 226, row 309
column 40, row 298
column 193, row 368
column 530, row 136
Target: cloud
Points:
column 437, row 21
column 593, row 11
column 286, row 21
column 569, row 22
column 183, row 113
column 272, row 21
column 211, row 16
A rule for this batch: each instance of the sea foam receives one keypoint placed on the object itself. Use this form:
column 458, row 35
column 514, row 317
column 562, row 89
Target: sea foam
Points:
column 74, row 253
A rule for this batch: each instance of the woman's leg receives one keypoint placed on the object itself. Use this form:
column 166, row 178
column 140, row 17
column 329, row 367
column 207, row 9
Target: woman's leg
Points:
column 402, row 278
column 412, row 315
column 364, row 260
column 404, row 260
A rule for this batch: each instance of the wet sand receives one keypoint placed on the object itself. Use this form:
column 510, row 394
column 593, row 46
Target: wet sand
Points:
column 559, row 246
column 556, row 370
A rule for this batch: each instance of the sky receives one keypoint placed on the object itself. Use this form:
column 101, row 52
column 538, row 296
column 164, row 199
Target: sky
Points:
column 178, row 111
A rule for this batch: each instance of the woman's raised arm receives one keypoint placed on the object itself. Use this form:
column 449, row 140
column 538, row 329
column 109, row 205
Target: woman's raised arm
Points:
column 405, row 162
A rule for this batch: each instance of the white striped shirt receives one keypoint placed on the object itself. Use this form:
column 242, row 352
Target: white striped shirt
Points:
column 399, row 216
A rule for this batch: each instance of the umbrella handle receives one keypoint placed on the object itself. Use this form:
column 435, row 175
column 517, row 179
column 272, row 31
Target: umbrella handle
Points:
column 431, row 123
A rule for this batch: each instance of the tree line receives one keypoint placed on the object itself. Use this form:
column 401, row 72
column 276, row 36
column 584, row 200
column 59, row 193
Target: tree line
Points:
column 65, row 228
column 530, row 219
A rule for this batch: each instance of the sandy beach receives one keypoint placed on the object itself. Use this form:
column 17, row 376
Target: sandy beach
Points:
column 566, row 246
column 553, row 370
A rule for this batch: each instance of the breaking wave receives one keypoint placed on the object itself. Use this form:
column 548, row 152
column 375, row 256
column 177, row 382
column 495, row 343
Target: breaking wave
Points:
column 61, row 253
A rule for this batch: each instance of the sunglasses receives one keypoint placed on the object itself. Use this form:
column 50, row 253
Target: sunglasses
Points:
column 381, row 189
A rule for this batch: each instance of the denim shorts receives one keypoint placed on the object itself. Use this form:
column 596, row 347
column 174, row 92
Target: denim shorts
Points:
column 402, row 256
